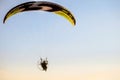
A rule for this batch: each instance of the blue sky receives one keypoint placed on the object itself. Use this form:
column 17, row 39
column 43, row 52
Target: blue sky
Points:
column 95, row 40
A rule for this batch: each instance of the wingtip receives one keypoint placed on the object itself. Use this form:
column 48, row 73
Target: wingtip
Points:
column 4, row 20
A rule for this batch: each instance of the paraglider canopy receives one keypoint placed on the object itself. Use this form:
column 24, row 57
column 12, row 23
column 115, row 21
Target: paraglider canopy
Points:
column 44, row 6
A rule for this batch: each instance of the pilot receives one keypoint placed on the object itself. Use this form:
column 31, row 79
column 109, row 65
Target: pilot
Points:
column 44, row 64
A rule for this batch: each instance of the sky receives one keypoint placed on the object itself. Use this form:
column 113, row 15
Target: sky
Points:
column 88, row 51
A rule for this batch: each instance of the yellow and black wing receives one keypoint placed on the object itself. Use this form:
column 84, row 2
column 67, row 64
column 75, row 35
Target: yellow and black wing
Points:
column 44, row 6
